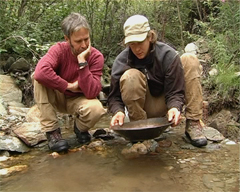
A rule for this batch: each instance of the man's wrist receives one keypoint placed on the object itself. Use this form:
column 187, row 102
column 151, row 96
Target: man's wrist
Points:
column 118, row 111
column 82, row 64
column 177, row 108
column 69, row 86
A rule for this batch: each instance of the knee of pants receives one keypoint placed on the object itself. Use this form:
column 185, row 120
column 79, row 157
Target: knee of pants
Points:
column 191, row 65
column 93, row 108
column 133, row 85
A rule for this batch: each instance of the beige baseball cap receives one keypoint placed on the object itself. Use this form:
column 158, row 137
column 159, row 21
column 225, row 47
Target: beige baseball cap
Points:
column 136, row 28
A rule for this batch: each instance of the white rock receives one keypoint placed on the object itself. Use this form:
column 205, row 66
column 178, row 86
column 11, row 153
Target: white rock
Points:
column 191, row 48
column 230, row 143
column 4, row 158
column 9, row 90
column 213, row 72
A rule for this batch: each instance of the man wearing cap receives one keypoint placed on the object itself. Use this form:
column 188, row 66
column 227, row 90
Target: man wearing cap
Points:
column 151, row 80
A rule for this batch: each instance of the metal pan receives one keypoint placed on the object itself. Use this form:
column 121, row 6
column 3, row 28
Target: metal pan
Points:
column 143, row 129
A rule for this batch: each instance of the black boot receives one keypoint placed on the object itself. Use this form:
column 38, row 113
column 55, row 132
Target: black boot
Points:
column 55, row 141
column 83, row 137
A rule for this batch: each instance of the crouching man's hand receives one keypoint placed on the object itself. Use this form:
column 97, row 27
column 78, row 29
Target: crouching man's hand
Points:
column 117, row 119
column 174, row 115
column 73, row 87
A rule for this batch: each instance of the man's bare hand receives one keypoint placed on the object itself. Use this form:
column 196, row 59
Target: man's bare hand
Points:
column 117, row 119
column 174, row 115
column 73, row 87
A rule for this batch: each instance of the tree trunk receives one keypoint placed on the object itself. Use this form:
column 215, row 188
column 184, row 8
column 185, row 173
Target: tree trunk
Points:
column 181, row 24
column 21, row 8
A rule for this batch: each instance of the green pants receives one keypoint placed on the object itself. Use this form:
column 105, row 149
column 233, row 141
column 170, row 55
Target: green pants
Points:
column 142, row 105
column 49, row 101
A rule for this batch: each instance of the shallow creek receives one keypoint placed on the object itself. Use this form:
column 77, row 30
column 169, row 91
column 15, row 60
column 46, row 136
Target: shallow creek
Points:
column 178, row 167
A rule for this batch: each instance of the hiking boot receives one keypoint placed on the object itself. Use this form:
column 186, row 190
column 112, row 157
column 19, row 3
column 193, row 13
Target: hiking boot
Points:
column 55, row 141
column 83, row 137
column 194, row 131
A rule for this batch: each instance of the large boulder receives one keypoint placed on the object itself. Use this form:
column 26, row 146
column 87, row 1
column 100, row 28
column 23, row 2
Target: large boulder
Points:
column 10, row 143
column 30, row 133
column 20, row 65
column 8, row 63
column 3, row 108
column 9, row 91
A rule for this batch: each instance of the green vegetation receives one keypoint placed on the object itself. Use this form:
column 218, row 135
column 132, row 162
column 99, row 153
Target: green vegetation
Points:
column 29, row 27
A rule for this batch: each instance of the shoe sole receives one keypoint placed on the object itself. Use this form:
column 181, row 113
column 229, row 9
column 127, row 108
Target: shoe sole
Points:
column 84, row 141
column 64, row 147
column 196, row 143
column 60, row 149
column 80, row 140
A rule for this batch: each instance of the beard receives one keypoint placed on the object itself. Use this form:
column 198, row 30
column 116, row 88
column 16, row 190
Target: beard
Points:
column 75, row 51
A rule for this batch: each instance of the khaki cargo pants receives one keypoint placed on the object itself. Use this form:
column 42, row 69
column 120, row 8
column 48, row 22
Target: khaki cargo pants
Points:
column 142, row 105
column 87, row 111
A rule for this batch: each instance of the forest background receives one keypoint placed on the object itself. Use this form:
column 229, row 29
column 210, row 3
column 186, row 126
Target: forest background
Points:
column 29, row 27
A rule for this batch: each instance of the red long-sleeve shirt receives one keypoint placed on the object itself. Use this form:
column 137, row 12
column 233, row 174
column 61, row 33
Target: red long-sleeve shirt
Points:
column 59, row 67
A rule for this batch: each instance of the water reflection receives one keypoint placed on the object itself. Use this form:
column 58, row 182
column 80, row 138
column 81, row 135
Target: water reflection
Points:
column 83, row 171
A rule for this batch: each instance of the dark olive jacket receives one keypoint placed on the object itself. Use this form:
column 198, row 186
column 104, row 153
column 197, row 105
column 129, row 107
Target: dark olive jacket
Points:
column 163, row 70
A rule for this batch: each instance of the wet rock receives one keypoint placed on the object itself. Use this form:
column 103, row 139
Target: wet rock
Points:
column 151, row 145
column 11, row 170
column 103, row 134
column 135, row 150
column 99, row 132
column 129, row 155
column 10, row 143
column 187, row 146
column 76, row 149
column 30, row 133
column 188, row 160
column 165, row 143
column 210, row 133
column 169, row 168
column 213, row 134
column 229, row 142
column 213, row 146
column 139, row 148
column 3, row 158
column 211, row 182
column 55, row 155
column 96, row 145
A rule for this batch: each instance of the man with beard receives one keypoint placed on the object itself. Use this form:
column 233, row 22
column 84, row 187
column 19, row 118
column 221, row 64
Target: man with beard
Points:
column 68, row 80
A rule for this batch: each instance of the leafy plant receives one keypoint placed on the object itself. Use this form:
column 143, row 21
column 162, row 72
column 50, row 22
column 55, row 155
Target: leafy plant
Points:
column 29, row 27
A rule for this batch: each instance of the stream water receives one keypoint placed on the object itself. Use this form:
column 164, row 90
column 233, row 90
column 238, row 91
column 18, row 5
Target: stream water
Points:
column 179, row 167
